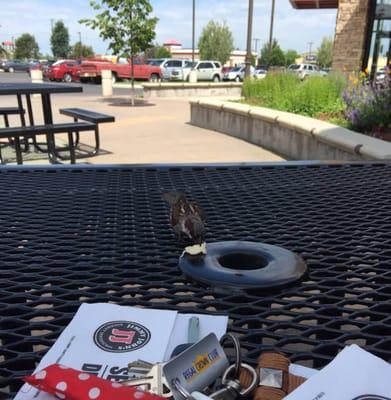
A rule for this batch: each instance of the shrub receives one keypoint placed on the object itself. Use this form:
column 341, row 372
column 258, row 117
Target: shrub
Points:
column 368, row 106
column 286, row 92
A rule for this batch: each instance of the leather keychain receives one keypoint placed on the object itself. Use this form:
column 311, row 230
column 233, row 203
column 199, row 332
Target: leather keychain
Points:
column 275, row 381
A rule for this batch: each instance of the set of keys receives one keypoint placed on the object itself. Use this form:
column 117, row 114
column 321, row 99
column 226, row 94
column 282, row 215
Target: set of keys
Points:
column 150, row 377
column 155, row 382
column 230, row 388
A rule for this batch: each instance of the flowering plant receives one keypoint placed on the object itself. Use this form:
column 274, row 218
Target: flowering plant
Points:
column 368, row 104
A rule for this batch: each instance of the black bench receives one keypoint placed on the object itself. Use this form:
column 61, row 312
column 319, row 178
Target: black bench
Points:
column 90, row 116
column 6, row 111
column 49, row 131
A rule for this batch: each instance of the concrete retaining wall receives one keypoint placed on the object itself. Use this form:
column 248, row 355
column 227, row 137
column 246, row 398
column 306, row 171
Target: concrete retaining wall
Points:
column 292, row 136
column 184, row 89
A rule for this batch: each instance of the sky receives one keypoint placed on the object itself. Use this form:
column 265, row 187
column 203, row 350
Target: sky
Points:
column 293, row 29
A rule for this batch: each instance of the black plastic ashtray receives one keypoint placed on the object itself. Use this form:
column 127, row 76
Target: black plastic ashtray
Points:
column 243, row 265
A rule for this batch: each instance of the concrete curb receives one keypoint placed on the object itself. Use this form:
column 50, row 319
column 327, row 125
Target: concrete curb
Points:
column 185, row 89
column 290, row 135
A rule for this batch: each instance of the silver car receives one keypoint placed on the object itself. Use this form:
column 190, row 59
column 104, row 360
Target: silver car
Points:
column 209, row 71
column 306, row 70
column 176, row 69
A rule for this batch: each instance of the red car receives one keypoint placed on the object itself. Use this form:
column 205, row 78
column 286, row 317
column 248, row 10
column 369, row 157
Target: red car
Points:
column 63, row 70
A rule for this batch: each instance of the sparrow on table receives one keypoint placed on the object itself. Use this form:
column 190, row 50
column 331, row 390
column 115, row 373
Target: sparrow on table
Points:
column 187, row 219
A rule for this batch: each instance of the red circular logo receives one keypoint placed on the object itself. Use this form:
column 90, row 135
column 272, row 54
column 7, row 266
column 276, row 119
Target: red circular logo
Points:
column 121, row 336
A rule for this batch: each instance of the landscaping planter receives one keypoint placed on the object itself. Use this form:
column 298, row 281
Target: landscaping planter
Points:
column 292, row 136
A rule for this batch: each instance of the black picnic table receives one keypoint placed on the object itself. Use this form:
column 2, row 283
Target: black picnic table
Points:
column 43, row 89
column 100, row 233
column 27, row 89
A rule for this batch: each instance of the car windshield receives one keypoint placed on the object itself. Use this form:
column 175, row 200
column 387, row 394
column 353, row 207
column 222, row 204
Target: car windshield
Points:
column 189, row 64
column 154, row 62
column 294, row 66
column 236, row 69
column 59, row 62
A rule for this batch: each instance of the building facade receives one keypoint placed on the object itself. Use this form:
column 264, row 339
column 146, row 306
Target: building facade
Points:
column 362, row 33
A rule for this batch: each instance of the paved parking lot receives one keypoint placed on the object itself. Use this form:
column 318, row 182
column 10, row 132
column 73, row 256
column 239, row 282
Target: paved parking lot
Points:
column 156, row 131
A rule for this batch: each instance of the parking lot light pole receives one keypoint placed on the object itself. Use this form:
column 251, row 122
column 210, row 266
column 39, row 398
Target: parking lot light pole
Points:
column 193, row 35
column 249, row 37
column 81, row 50
column 271, row 28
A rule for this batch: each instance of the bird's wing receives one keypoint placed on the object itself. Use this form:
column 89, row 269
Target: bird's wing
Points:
column 197, row 210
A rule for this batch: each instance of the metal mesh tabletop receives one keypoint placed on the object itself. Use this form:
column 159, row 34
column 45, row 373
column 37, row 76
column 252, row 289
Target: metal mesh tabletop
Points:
column 99, row 234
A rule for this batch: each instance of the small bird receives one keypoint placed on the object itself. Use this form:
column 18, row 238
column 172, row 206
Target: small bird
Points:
column 187, row 219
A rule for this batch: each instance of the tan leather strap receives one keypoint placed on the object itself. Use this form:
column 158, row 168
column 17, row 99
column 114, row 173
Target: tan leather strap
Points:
column 268, row 393
column 294, row 382
column 276, row 361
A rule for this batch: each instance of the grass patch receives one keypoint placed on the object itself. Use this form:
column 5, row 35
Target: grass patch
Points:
column 286, row 92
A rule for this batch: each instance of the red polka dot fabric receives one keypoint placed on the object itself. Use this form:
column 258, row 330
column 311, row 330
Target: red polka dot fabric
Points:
column 71, row 384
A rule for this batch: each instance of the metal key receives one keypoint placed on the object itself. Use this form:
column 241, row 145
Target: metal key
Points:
column 139, row 368
column 232, row 389
column 187, row 395
column 140, row 364
column 154, row 381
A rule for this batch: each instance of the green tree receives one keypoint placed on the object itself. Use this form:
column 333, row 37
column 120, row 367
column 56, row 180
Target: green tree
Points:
column 274, row 57
column 26, row 46
column 325, row 53
column 59, row 40
column 79, row 50
column 3, row 52
column 126, row 25
column 216, row 42
column 290, row 57
column 157, row 51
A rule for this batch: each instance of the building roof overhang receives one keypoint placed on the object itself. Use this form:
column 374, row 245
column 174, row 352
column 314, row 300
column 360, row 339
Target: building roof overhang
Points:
column 308, row 4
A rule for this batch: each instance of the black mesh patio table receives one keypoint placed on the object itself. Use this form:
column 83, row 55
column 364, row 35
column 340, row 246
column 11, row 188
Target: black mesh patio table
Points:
column 101, row 233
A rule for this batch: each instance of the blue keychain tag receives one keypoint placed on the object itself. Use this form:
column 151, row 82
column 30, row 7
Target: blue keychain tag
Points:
column 197, row 367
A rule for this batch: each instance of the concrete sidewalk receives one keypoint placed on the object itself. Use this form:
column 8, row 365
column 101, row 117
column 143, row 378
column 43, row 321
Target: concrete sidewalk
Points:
column 156, row 131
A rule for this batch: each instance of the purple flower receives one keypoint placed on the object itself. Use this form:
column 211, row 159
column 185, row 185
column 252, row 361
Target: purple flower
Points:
column 346, row 97
column 355, row 115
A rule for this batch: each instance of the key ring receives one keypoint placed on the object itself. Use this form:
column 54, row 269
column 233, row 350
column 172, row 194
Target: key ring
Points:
column 238, row 356
column 249, row 368
column 179, row 388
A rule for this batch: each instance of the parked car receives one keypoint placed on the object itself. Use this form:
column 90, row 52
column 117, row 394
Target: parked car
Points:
column 63, row 70
column 92, row 70
column 33, row 65
column 15, row 65
column 158, row 62
column 209, row 71
column 178, row 70
column 383, row 75
column 260, row 73
column 306, row 70
column 235, row 74
column 43, row 65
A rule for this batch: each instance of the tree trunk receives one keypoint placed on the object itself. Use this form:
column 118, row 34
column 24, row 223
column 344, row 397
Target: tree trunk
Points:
column 132, row 78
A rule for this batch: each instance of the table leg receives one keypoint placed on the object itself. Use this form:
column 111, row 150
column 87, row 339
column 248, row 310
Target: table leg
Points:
column 71, row 148
column 48, row 119
column 18, row 151
column 31, row 119
column 21, row 113
column 22, row 119
column 30, row 109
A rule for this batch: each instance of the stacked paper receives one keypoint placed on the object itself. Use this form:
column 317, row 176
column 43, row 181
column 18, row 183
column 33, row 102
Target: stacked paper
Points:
column 103, row 338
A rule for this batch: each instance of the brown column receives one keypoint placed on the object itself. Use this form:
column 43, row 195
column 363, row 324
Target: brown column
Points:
column 350, row 35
